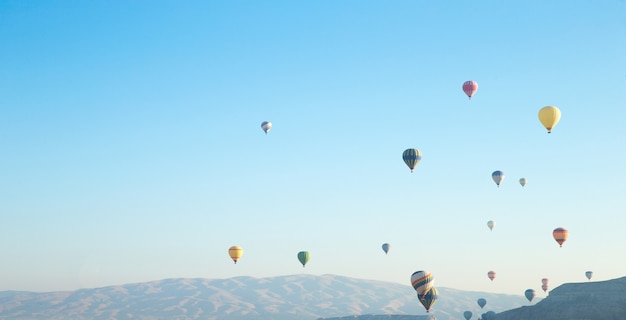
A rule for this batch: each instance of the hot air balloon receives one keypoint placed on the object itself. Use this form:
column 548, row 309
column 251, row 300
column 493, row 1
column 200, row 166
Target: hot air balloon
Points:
column 560, row 235
column 482, row 302
column 266, row 126
column 386, row 247
column 304, row 257
column 589, row 274
column 530, row 294
column 235, row 252
column 429, row 298
column 411, row 157
column 470, row 88
column 491, row 275
column 467, row 315
column 491, row 224
column 422, row 281
column 523, row 181
column 498, row 177
column 489, row 315
column 549, row 117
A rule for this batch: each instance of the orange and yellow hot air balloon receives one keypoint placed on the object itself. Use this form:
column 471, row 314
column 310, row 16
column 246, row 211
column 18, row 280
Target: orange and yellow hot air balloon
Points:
column 235, row 252
column 560, row 235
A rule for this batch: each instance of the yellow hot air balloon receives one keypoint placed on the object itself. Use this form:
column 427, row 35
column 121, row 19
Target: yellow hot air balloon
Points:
column 235, row 252
column 549, row 117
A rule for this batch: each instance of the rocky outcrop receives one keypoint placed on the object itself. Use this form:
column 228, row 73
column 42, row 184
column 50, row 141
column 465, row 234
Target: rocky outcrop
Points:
column 602, row 300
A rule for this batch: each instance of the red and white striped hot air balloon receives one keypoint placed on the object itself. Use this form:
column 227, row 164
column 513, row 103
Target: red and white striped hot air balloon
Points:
column 470, row 87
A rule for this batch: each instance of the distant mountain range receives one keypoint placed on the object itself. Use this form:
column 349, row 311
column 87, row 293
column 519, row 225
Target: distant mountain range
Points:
column 302, row 297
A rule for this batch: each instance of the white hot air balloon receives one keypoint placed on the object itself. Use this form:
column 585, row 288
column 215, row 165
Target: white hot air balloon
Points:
column 523, row 181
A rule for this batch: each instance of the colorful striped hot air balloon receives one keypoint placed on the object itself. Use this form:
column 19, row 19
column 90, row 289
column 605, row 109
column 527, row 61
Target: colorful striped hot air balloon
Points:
column 303, row 257
column 428, row 299
column 422, row 281
column 549, row 116
column 235, row 252
column 411, row 157
column 491, row 275
column 498, row 177
column 560, row 235
column 470, row 87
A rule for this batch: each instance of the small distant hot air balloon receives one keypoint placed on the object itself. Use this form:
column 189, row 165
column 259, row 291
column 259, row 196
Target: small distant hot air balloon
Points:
column 470, row 87
column 530, row 294
column 422, row 281
column 491, row 224
column 489, row 315
column 523, row 181
column 589, row 274
column 491, row 275
column 428, row 299
column 411, row 157
column 481, row 302
column 549, row 116
column 498, row 177
column 235, row 252
column 266, row 126
column 560, row 235
column 467, row 315
column 386, row 247
column 303, row 257
column 544, row 284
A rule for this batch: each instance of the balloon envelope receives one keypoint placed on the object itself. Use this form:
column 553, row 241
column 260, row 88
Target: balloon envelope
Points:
column 386, row 247
column 266, row 126
column 523, row 181
column 560, row 235
column 491, row 224
column 491, row 275
column 422, row 281
column 235, row 252
column 470, row 87
column 482, row 302
column 429, row 298
column 303, row 257
column 489, row 315
column 467, row 315
column 544, row 287
column 589, row 274
column 498, row 177
column 549, row 116
column 530, row 294
column 411, row 157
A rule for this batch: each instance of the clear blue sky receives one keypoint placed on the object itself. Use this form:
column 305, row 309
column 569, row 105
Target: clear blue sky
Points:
column 131, row 147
